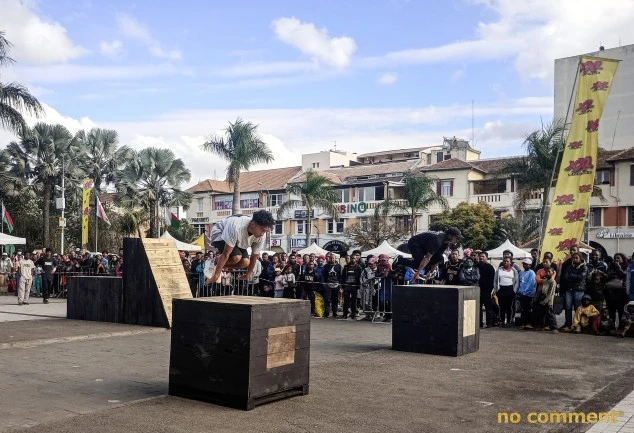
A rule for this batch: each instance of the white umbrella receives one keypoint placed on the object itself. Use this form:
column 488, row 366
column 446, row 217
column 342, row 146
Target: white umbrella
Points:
column 181, row 246
column 387, row 249
column 518, row 253
column 6, row 239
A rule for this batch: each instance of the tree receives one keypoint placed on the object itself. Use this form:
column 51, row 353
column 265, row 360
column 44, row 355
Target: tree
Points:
column 517, row 230
column 185, row 233
column 242, row 147
column 535, row 170
column 378, row 228
column 315, row 193
column 102, row 156
column 36, row 165
column 151, row 181
column 15, row 99
column 418, row 196
column 475, row 221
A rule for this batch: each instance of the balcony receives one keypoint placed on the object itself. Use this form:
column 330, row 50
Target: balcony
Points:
column 496, row 200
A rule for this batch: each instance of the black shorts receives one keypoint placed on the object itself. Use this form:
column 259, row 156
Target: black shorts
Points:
column 220, row 246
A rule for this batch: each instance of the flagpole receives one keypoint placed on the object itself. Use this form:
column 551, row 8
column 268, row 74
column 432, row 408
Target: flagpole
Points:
column 2, row 220
column 96, row 221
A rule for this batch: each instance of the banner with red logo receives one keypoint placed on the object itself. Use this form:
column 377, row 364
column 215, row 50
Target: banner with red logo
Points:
column 87, row 185
column 571, row 199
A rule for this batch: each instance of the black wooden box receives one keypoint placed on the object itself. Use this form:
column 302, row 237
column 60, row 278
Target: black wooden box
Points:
column 97, row 298
column 439, row 320
column 239, row 351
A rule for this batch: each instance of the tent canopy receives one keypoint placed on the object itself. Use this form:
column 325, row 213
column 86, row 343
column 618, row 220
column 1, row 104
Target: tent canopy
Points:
column 386, row 248
column 6, row 239
column 313, row 249
column 518, row 253
column 181, row 246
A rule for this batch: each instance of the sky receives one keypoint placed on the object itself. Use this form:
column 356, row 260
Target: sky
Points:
column 361, row 75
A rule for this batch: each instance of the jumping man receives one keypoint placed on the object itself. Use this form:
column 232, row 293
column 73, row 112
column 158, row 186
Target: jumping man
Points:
column 233, row 235
column 426, row 245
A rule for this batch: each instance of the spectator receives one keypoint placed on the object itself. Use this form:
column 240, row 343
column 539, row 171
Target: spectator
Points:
column 534, row 259
column 595, row 287
column 469, row 274
column 606, row 327
column 544, row 315
column 487, row 276
column 629, row 284
column 351, row 280
column 595, row 263
column 309, row 282
column 49, row 267
column 526, row 290
column 505, row 282
column 27, row 270
column 627, row 319
column 369, row 286
column 575, row 281
column 6, row 269
column 615, row 294
column 279, row 283
column 332, row 284
column 451, row 268
column 509, row 254
column 289, row 280
column 587, row 318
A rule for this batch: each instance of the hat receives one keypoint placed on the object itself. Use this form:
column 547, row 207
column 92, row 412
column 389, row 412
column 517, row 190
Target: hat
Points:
column 454, row 231
column 527, row 261
column 278, row 270
column 372, row 260
column 467, row 251
column 588, row 297
column 4, row 254
column 321, row 257
column 383, row 257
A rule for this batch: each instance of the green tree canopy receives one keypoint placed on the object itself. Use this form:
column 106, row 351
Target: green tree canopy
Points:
column 475, row 221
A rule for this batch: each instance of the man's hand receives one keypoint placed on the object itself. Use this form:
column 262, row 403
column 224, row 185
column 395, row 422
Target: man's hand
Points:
column 215, row 277
column 415, row 276
column 245, row 276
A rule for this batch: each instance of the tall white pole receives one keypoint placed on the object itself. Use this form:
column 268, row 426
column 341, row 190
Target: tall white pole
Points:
column 63, row 206
column 96, row 223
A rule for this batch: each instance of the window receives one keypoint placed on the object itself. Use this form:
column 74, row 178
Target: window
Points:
column 603, row 177
column 403, row 222
column 364, row 223
column 630, row 215
column 432, row 219
column 594, row 217
column 444, row 188
column 371, row 193
column 276, row 200
column 222, row 202
column 200, row 204
column 632, row 175
column 278, row 228
column 439, row 157
column 447, row 156
column 199, row 228
column 301, row 226
column 335, row 227
column 429, row 159
column 344, row 195
column 315, row 165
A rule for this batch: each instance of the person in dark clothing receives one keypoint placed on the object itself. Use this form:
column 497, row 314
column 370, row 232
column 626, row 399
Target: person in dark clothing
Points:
column 332, row 283
column 574, row 280
column 424, row 245
column 487, row 275
column 534, row 259
column 292, row 262
column 49, row 265
column 469, row 273
column 351, row 281
column 547, row 256
column 595, row 287
column 451, row 269
column 615, row 294
column 309, row 282
column 595, row 263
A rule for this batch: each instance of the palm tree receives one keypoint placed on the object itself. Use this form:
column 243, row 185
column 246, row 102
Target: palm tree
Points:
column 315, row 193
column 102, row 156
column 36, row 165
column 534, row 171
column 150, row 181
column 418, row 196
column 242, row 147
column 517, row 230
column 15, row 99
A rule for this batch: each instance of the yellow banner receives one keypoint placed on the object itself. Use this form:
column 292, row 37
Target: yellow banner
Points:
column 87, row 185
column 571, row 199
column 200, row 241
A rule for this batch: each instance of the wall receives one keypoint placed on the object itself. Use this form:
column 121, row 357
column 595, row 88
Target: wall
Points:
column 621, row 96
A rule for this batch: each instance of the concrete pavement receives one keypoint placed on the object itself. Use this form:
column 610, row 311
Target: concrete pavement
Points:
column 95, row 384
column 10, row 311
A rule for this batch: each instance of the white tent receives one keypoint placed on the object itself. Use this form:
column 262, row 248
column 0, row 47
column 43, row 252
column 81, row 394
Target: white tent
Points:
column 313, row 249
column 6, row 239
column 181, row 246
column 386, row 248
column 518, row 253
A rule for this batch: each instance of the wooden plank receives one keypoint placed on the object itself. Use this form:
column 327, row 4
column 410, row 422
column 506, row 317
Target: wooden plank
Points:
column 168, row 272
column 469, row 318
column 281, row 346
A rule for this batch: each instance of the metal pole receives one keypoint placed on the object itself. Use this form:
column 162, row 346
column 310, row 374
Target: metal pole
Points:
column 63, row 205
column 96, row 223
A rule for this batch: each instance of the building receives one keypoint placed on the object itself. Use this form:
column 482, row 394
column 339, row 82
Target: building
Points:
column 460, row 176
column 617, row 121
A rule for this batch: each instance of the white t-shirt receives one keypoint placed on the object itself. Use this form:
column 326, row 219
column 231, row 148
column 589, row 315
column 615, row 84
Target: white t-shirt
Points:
column 505, row 277
column 26, row 268
column 233, row 231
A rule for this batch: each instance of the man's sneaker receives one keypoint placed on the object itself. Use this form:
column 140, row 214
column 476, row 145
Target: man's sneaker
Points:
column 25, row 303
column 46, row 301
column 19, row 304
column 565, row 328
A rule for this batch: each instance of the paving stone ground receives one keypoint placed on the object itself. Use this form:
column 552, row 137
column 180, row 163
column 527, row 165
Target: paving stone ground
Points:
column 113, row 378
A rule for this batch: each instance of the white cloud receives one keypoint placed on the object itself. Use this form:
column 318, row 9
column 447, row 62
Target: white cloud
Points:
column 314, row 42
column 35, row 40
column 358, row 130
column 388, row 78
column 532, row 32
column 65, row 73
column 112, row 49
column 135, row 30
column 458, row 74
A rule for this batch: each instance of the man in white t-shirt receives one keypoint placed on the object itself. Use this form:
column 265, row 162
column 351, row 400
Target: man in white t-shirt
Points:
column 233, row 235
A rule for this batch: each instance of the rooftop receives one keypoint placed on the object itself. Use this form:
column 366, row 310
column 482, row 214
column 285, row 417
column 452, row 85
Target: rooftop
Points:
column 250, row 181
column 394, row 151
column 347, row 174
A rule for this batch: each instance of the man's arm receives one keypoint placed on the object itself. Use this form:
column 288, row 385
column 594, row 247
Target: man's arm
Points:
column 221, row 262
column 422, row 265
column 252, row 260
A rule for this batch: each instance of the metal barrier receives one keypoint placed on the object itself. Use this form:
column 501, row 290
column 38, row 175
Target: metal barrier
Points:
column 376, row 297
column 230, row 283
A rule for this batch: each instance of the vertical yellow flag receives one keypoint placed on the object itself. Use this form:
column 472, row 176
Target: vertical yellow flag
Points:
column 87, row 185
column 571, row 199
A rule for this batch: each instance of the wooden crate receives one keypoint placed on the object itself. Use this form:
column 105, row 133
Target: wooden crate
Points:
column 239, row 351
column 96, row 298
column 439, row 320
